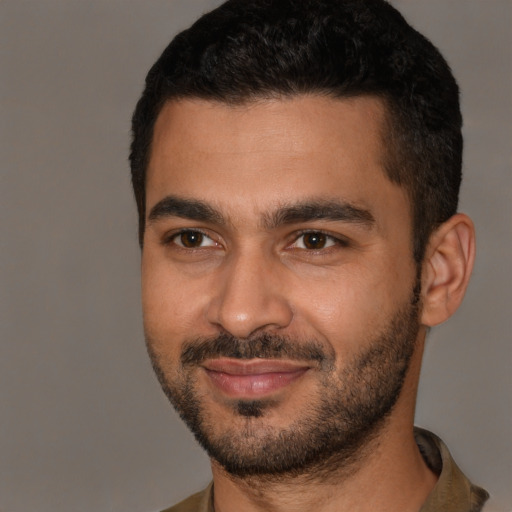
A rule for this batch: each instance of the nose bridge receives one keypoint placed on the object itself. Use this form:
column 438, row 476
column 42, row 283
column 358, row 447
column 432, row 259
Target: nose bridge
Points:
column 250, row 296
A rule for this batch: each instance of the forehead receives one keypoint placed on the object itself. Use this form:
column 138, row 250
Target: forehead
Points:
column 270, row 151
column 300, row 124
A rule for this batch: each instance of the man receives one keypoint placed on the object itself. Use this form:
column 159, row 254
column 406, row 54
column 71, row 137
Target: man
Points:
column 296, row 166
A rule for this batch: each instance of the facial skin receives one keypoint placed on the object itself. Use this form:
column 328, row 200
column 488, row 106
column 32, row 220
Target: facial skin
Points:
column 274, row 236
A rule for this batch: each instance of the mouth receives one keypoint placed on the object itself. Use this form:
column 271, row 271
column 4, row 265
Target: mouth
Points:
column 252, row 378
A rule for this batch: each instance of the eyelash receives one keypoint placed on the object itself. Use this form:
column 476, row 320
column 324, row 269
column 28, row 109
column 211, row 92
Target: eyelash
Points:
column 337, row 240
column 170, row 239
column 333, row 240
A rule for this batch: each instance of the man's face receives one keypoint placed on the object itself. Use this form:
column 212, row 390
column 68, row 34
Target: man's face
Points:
column 277, row 277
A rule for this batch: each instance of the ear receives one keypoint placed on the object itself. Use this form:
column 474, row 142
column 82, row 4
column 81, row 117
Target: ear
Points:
column 447, row 268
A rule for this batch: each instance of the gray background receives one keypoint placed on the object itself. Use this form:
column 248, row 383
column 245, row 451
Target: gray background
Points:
column 83, row 423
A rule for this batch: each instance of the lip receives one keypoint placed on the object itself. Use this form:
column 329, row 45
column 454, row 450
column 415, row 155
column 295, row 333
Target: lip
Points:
column 253, row 378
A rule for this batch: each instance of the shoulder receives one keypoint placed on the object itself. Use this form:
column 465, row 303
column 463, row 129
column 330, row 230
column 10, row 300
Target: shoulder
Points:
column 199, row 502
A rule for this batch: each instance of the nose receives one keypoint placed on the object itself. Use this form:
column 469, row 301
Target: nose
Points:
column 250, row 297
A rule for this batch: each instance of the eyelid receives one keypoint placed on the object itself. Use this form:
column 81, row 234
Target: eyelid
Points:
column 169, row 237
column 338, row 239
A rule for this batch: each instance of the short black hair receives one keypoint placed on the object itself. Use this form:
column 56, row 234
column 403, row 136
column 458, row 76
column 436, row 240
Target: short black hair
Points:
column 247, row 50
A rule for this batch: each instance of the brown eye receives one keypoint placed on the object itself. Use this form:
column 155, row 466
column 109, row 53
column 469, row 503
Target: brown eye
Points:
column 192, row 239
column 314, row 240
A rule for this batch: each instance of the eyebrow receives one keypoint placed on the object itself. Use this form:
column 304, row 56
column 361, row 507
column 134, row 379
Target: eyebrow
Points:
column 172, row 206
column 305, row 211
column 330, row 210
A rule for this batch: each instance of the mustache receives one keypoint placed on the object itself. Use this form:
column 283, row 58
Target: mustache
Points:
column 264, row 346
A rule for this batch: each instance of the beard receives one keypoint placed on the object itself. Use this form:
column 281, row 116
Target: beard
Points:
column 338, row 418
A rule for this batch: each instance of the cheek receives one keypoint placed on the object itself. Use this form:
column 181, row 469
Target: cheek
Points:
column 346, row 308
column 171, row 305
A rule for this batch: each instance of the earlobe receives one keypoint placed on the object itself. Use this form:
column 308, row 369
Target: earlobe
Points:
column 447, row 268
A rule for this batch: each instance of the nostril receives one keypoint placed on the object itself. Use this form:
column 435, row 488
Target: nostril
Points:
column 242, row 318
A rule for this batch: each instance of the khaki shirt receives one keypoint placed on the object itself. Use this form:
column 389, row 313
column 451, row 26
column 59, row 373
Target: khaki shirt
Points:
column 453, row 492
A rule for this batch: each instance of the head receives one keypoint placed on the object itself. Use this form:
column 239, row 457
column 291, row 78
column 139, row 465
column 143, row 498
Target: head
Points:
column 296, row 167
column 247, row 50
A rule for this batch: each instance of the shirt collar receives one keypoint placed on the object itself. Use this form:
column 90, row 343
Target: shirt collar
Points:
column 453, row 492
